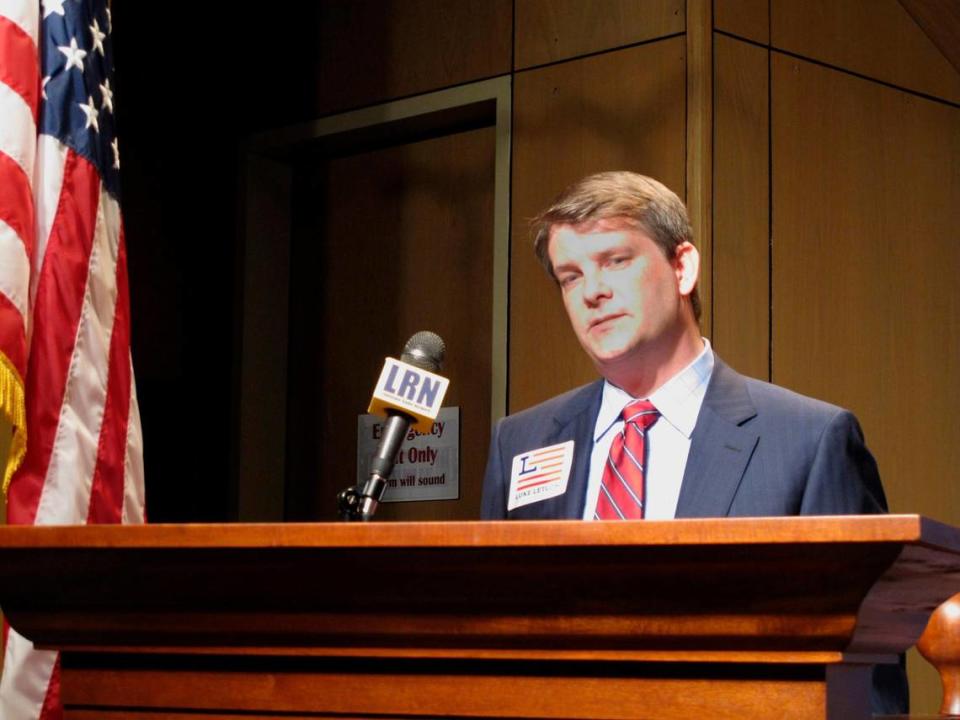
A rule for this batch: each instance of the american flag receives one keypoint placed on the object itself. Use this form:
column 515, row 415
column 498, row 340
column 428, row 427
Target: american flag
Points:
column 66, row 380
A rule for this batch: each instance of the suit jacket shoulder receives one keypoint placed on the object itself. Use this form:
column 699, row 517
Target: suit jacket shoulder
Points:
column 762, row 450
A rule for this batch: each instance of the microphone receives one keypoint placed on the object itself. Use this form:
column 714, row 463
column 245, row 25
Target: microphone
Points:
column 408, row 392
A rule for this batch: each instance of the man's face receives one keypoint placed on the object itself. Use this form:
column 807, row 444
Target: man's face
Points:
column 622, row 294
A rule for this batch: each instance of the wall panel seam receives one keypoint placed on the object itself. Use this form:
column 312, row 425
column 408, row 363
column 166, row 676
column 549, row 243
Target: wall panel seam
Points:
column 837, row 68
column 600, row 52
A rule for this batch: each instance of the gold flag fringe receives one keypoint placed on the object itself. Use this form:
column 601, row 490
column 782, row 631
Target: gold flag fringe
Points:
column 13, row 406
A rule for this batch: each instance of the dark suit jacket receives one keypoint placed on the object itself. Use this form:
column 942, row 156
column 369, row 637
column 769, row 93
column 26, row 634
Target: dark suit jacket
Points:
column 756, row 450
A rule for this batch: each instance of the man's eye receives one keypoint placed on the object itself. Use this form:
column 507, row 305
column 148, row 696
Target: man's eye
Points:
column 618, row 261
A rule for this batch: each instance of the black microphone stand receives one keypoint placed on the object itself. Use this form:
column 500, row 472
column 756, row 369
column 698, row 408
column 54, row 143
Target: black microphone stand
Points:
column 357, row 503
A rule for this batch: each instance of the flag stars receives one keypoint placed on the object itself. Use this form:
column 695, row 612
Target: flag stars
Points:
column 52, row 7
column 98, row 36
column 90, row 110
column 73, row 54
column 116, row 154
column 43, row 86
column 107, row 95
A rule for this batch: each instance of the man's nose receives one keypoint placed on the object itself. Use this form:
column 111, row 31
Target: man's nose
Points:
column 595, row 289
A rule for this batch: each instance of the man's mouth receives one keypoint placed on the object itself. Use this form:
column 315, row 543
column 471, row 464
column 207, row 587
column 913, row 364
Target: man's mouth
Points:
column 599, row 322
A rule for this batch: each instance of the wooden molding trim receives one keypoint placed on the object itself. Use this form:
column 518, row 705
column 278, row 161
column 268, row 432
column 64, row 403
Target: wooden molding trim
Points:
column 700, row 145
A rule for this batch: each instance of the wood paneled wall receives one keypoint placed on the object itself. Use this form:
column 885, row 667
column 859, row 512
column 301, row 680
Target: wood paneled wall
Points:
column 874, row 38
column 741, row 220
column 553, row 30
column 866, row 211
column 837, row 208
column 369, row 51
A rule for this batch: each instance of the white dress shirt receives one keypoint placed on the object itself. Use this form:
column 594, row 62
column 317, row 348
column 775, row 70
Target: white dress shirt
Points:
column 668, row 441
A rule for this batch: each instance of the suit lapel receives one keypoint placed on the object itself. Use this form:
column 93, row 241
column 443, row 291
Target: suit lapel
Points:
column 574, row 422
column 720, row 448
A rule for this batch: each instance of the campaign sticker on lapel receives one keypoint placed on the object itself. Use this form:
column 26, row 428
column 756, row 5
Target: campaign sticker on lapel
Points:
column 540, row 474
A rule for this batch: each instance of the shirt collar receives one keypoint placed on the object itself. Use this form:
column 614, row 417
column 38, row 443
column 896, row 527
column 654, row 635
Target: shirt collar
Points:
column 679, row 399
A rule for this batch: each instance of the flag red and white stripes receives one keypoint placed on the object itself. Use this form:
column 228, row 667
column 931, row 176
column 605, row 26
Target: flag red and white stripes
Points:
column 66, row 380
column 19, row 106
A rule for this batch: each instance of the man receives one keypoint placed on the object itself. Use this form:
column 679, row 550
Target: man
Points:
column 700, row 440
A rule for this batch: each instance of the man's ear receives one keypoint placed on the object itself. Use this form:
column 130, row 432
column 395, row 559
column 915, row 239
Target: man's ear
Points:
column 686, row 263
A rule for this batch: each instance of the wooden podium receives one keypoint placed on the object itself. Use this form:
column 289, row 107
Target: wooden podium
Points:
column 753, row 618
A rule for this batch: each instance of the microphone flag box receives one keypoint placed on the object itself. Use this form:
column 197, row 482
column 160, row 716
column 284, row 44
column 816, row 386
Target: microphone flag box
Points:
column 410, row 390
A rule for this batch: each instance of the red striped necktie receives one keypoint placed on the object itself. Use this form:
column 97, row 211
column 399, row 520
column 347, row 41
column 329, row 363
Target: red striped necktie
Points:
column 622, row 487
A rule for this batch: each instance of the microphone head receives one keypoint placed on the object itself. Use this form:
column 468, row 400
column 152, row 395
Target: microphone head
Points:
column 424, row 350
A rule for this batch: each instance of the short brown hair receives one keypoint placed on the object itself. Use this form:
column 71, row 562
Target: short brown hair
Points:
column 650, row 205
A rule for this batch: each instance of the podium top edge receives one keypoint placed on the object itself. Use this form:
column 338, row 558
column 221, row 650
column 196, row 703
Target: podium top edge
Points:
column 903, row 529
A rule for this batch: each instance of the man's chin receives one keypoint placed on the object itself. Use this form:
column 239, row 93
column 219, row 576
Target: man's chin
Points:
column 609, row 357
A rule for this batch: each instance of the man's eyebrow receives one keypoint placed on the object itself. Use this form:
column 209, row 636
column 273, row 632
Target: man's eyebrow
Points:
column 570, row 265
column 617, row 250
